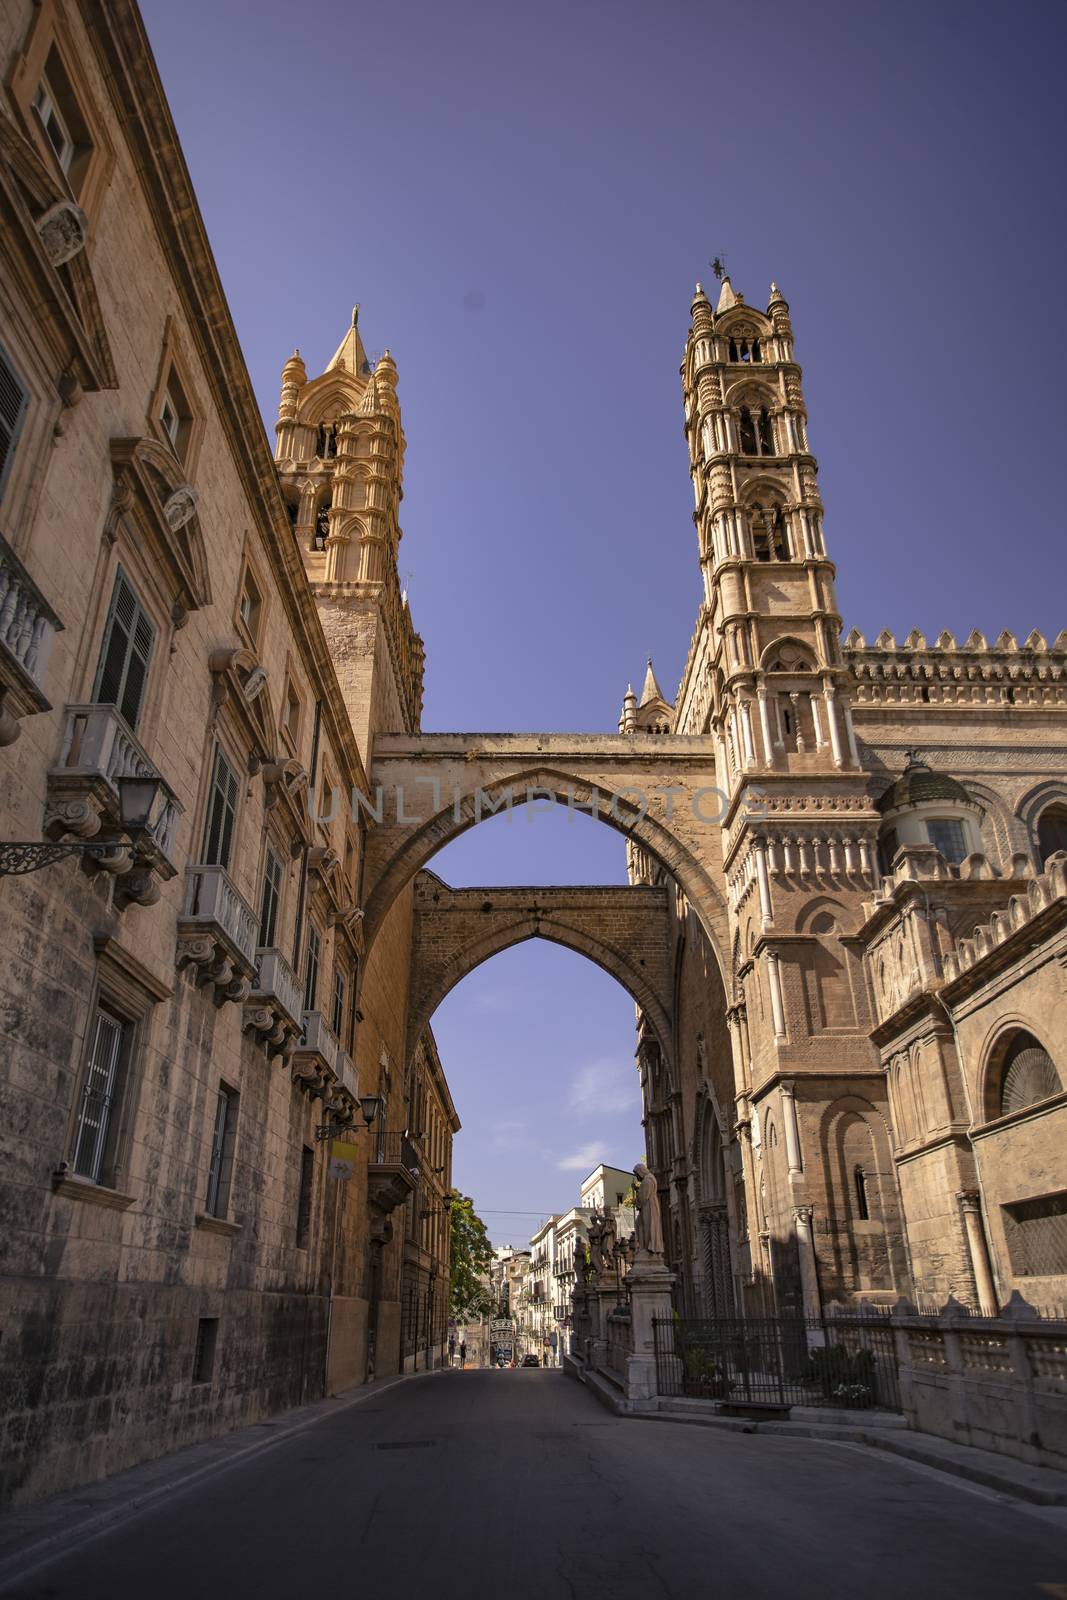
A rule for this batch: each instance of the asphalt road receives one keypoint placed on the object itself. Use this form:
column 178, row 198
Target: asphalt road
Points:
column 516, row 1483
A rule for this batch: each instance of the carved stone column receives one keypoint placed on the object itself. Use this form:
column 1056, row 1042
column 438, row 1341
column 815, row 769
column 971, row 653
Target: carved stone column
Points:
column 971, row 1205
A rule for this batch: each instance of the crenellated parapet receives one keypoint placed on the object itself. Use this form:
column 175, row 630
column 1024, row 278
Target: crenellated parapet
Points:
column 1044, row 893
column 945, row 672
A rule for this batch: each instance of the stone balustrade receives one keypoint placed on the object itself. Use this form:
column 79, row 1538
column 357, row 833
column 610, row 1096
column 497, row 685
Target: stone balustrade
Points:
column 274, row 1009
column 998, row 1383
column 315, row 1055
column 28, row 626
column 217, row 934
column 97, row 750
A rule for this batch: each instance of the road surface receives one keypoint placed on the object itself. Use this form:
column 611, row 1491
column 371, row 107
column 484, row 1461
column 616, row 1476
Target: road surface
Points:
column 511, row 1484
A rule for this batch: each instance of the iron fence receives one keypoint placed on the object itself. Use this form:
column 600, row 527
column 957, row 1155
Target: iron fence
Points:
column 779, row 1361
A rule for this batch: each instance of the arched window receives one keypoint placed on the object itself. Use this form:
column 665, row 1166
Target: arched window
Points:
column 863, row 1209
column 749, row 446
column 1027, row 1075
column 1052, row 831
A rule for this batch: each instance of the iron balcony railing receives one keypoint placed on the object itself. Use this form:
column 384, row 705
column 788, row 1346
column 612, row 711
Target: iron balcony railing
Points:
column 394, row 1150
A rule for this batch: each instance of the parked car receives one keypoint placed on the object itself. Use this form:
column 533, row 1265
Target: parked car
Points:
column 531, row 1361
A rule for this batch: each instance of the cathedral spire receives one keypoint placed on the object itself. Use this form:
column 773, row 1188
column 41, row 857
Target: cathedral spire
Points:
column 350, row 354
column 650, row 689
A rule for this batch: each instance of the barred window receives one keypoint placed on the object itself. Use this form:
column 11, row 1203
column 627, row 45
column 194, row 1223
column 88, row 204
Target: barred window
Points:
column 97, row 1123
column 1036, row 1236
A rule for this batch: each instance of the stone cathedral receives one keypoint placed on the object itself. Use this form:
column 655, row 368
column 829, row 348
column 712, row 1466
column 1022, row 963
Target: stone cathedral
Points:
column 226, row 1131
column 867, row 1092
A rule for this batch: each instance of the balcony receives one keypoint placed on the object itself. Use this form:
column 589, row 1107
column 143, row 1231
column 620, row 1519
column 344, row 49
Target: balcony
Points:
column 273, row 1010
column 315, row 1055
column 27, row 627
column 83, row 797
column 217, row 934
column 393, row 1173
column 342, row 1104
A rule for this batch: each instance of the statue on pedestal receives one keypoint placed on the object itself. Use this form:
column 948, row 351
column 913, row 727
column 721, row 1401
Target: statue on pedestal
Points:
column 648, row 1230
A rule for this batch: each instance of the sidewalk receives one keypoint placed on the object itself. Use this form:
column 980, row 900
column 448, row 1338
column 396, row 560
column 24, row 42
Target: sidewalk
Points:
column 880, row 1430
column 29, row 1533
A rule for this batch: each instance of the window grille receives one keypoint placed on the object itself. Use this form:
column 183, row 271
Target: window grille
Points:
column 93, row 1128
column 123, row 670
column 14, row 399
column 1028, row 1075
column 1036, row 1235
column 221, row 813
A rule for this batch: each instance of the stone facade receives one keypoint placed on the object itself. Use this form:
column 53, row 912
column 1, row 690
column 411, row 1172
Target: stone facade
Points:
column 220, row 1096
column 198, row 1228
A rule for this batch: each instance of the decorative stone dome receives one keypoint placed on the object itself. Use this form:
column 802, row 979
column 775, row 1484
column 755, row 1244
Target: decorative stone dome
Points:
column 918, row 785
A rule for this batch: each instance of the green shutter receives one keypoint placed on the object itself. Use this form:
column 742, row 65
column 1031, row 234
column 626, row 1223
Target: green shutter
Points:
column 13, row 402
column 127, row 648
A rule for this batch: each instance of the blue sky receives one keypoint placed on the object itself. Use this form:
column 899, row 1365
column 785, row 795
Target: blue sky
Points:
column 521, row 198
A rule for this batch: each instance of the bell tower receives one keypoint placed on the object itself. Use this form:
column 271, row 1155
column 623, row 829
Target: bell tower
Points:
column 340, row 456
column 767, row 678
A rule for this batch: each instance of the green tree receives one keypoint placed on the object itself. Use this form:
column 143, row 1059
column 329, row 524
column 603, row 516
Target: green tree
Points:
column 471, row 1258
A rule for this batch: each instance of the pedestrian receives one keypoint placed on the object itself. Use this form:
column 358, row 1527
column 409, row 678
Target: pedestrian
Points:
column 451, row 1349
column 462, row 1354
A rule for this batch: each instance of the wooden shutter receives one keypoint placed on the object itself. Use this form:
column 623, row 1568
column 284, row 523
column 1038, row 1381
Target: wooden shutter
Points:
column 221, row 813
column 127, row 648
column 13, row 402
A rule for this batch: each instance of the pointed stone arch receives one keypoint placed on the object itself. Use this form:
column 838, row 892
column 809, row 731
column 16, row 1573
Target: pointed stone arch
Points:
column 622, row 930
column 478, row 780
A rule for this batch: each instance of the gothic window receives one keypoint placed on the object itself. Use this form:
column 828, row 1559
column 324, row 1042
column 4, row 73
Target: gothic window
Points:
column 1052, row 832
column 769, row 537
column 863, row 1210
column 748, row 433
column 1027, row 1075
column 745, row 349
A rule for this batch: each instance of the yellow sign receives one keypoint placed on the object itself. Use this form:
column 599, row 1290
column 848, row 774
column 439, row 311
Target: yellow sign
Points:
column 342, row 1159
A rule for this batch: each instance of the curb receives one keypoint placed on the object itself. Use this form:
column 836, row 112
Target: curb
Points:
column 70, row 1536
column 903, row 1442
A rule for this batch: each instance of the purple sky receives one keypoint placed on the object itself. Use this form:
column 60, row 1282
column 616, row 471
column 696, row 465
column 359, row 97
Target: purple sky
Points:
column 521, row 200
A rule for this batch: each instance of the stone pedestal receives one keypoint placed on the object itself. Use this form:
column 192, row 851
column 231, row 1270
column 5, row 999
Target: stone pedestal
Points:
column 650, row 1283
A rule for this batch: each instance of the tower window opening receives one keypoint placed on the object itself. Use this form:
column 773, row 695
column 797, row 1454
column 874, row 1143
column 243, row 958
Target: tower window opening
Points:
column 863, row 1210
column 749, row 446
column 789, row 721
column 733, row 350
column 766, row 432
column 326, row 441
column 1052, row 832
column 322, row 526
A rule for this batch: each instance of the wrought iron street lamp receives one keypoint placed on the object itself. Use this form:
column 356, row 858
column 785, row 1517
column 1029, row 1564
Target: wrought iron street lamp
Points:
column 139, row 804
